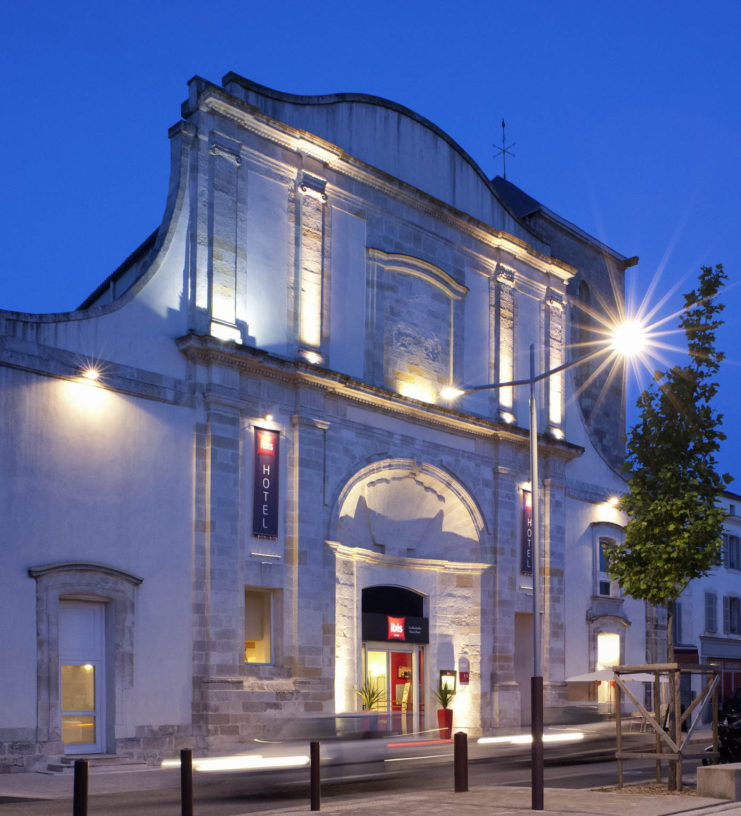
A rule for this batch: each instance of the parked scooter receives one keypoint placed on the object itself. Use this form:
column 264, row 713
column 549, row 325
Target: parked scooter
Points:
column 729, row 729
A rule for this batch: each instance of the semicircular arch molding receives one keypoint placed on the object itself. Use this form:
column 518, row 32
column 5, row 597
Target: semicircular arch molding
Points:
column 408, row 508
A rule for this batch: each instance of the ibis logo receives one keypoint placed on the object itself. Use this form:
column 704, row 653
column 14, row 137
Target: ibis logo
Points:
column 266, row 443
column 396, row 628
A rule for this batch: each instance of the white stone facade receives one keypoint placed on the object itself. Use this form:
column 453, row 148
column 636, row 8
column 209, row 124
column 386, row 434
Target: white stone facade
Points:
column 324, row 267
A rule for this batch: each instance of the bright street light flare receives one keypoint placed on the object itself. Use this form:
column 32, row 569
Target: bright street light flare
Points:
column 450, row 392
column 629, row 338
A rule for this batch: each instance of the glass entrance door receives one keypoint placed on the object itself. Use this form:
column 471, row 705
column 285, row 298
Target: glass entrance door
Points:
column 82, row 680
column 399, row 674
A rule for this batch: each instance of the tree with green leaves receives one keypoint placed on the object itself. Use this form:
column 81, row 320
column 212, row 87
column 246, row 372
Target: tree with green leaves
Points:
column 675, row 523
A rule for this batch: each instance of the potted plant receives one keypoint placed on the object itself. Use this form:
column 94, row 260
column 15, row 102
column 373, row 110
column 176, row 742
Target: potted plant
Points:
column 371, row 695
column 444, row 695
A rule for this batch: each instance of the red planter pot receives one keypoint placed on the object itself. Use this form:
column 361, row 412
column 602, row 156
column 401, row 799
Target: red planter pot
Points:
column 445, row 722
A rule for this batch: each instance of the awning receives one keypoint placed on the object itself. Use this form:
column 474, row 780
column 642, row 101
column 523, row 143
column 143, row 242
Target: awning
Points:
column 608, row 674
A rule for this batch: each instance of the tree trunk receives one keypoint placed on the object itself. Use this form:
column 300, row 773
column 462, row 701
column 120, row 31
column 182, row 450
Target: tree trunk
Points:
column 670, row 632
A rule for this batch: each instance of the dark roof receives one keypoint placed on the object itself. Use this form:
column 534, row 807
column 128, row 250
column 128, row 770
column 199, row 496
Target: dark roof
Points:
column 525, row 206
column 519, row 201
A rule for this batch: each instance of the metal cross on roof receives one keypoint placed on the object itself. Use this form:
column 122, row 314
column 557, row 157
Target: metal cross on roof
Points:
column 504, row 151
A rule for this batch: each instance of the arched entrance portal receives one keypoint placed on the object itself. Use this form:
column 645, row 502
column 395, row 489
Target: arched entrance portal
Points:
column 394, row 633
column 407, row 540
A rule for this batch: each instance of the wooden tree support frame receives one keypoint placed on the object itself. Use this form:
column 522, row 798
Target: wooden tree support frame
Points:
column 670, row 746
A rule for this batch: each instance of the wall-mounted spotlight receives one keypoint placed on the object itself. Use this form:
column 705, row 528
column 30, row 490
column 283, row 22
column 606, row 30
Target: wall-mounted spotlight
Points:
column 312, row 357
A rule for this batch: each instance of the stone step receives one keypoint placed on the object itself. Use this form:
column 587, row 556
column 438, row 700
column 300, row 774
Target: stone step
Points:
column 66, row 764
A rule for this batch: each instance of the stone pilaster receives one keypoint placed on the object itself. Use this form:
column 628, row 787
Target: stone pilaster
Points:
column 554, row 385
column 224, row 237
column 311, row 262
column 217, row 598
column 314, row 568
column 554, row 622
column 504, row 339
column 505, row 689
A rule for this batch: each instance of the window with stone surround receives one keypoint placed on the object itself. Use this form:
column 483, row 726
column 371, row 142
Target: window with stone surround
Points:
column 114, row 589
column 731, row 615
column 258, row 625
column 732, row 552
column 605, row 586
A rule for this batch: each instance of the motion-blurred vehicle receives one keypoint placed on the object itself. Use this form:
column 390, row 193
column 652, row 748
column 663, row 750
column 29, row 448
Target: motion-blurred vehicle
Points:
column 368, row 745
column 352, row 747
column 571, row 734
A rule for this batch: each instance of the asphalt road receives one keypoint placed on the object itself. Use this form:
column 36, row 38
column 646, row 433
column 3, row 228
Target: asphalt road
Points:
column 228, row 795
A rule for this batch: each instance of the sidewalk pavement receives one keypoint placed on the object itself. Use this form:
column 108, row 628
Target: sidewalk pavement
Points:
column 482, row 800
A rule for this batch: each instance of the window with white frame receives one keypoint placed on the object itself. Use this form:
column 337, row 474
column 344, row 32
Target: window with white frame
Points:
column 731, row 615
column 711, row 612
column 605, row 586
column 732, row 546
column 258, row 625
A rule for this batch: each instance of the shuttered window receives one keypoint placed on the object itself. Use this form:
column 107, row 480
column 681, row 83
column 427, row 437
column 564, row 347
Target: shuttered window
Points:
column 732, row 547
column 711, row 612
column 731, row 615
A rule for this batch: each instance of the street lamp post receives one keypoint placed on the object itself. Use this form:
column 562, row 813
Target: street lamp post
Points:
column 619, row 345
column 536, row 681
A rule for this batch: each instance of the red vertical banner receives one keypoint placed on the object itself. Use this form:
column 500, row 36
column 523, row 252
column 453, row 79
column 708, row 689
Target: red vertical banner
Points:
column 265, row 493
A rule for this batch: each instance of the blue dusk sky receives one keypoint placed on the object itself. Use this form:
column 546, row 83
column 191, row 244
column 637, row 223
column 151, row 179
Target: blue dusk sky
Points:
column 626, row 119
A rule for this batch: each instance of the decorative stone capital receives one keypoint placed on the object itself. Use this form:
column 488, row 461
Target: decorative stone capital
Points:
column 314, row 187
column 555, row 300
column 505, row 275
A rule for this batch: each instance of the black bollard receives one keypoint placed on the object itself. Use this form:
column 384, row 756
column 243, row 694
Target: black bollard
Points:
column 186, row 782
column 536, row 761
column 315, row 775
column 460, row 761
column 79, row 800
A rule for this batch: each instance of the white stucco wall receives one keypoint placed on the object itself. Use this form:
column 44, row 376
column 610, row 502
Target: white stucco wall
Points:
column 95, row 476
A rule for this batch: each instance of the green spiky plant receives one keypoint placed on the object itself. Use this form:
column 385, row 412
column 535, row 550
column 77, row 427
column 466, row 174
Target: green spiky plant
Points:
column 371, row 695
column 444, row 695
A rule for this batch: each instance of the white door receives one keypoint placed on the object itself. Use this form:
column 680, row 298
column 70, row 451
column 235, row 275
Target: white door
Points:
column 82, row 676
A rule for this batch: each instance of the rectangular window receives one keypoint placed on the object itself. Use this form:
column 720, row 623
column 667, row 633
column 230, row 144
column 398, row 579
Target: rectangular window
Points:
column 605, row 586
column 677, row 622
column 257, row 626
column 731, row 615
column 711, row 612
column 733, row 552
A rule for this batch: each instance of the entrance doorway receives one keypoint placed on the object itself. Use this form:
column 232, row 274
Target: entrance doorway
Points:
column 398, row 673
column 82, row 676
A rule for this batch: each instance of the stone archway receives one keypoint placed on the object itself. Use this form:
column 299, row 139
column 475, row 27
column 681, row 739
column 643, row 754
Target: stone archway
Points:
column 403, row 523
column 405, row 508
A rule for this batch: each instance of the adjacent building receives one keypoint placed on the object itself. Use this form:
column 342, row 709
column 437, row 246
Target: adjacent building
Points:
column 232, row 491
column 707, row 618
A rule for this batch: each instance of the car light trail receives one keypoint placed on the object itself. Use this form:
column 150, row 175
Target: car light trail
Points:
column 526, row 739
column 241, row 763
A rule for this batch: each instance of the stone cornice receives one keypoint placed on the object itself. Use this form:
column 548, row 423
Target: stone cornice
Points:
column 82, row 566
column 48, row 361
column 207, row 350
column 381, row 559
